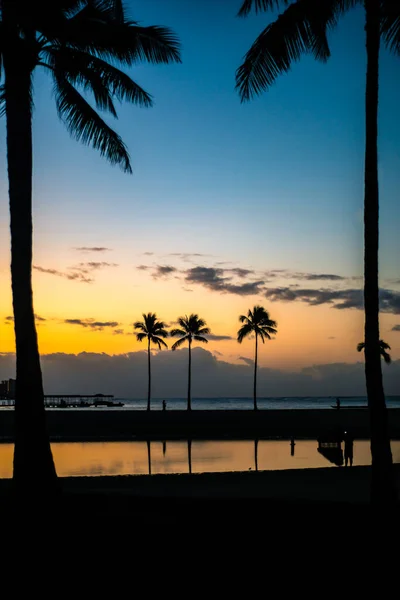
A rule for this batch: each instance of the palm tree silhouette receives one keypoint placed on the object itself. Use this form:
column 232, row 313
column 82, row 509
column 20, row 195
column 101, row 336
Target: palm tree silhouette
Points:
column 256, row 322
column 192, row 328
column 302, row 28
column 383, row 346
column 154, row 331
column 77, row 42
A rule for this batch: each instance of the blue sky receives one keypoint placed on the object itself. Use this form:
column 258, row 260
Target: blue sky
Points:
column 282, row 173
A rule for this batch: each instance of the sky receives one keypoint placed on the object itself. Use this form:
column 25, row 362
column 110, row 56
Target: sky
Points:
column 229, row 205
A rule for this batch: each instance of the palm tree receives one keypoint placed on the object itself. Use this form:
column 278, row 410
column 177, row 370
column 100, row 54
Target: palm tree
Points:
column 154, row 331
column 256, row 322
column 77, row 42
column 192, row 328
column 302, row 28
column 383, row 346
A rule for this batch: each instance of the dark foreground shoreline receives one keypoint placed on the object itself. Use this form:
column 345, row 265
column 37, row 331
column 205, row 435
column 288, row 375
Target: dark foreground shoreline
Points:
column 117, row 424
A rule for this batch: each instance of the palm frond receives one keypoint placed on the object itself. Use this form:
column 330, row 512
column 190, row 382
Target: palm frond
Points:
column 384, row 345
column 200, row 338
column 300, row 29
column 259, row 6
column 140, row 325
column 127, row 42
column 96, row 74
column 141, row 336
column 177, row 332
column 203, row 331
column 390, row 26
column 158, row 341
column 179, row 343
column 244, row 331
column 2, row 101
column 360, row 347
column 386, row 357
column 243, row 319
column 85, row 125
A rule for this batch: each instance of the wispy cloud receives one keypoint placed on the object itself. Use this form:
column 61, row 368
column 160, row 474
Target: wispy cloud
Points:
column 92, row 323
column 248, row 361
column 163, row 271
column 93, row 249
column 81, row 272
column 215, row 280
column 118, row 332
column 74, row 276
column 340, row 299
column 396, row 328
column 218, row 338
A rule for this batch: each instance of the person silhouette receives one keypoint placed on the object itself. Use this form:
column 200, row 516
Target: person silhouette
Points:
column 338, row 403
column 164, row 405
column 348, row 449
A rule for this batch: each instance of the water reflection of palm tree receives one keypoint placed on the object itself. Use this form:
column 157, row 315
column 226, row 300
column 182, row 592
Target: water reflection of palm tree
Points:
column 189, row 447
column 256, row 454
column 149, row 455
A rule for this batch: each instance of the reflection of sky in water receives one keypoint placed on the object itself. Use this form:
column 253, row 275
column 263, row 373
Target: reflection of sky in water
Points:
column 123, row 458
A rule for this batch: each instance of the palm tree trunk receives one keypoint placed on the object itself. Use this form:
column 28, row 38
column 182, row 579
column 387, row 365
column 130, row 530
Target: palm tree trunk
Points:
column 255, row 376
column 189, row 402
column 33, row 461
column 382, row 484
column 189, row 445
column 149, row 386
column 256, row 454
column 149, row 455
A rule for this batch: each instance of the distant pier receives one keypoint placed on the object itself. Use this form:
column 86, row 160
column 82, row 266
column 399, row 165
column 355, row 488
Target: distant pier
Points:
column 72, row 401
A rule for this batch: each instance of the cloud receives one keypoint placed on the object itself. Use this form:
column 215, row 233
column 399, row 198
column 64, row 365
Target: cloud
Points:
column 214, row 279
column 396, row 328
column 143, row 268
column 331, row 337
column 80, row 272
column 318, row 276
column 93, row 266
column 217, row 338
column 118, row 332
column 163, row 271
column 187, row 256
column 8, row 320
column 91, row 323
column 125, row 375
column 340, row 299
column 77, row 276
column 93, row 249
column 242, row 273
column 248, row 361
column 148, row 253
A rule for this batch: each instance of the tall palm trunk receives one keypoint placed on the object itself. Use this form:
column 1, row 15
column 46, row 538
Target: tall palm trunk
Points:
column 189, row 401
column 255, row 376
column 149, row 386
column 149, row 455
column 382, row 488
column 33, row 460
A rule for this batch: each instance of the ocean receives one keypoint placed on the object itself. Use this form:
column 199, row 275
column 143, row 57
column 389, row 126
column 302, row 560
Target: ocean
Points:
column 275, row 403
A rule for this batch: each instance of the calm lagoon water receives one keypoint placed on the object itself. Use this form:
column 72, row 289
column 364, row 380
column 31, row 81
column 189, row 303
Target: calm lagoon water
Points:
column 135, row 458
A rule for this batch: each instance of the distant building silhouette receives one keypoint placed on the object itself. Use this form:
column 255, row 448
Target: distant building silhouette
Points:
column 7, row 389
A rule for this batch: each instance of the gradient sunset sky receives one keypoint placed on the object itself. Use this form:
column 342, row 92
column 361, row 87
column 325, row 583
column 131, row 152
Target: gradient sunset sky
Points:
column 229, row 204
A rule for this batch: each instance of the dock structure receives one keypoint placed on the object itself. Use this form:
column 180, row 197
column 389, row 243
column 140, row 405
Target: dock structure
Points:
column 71, row 400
